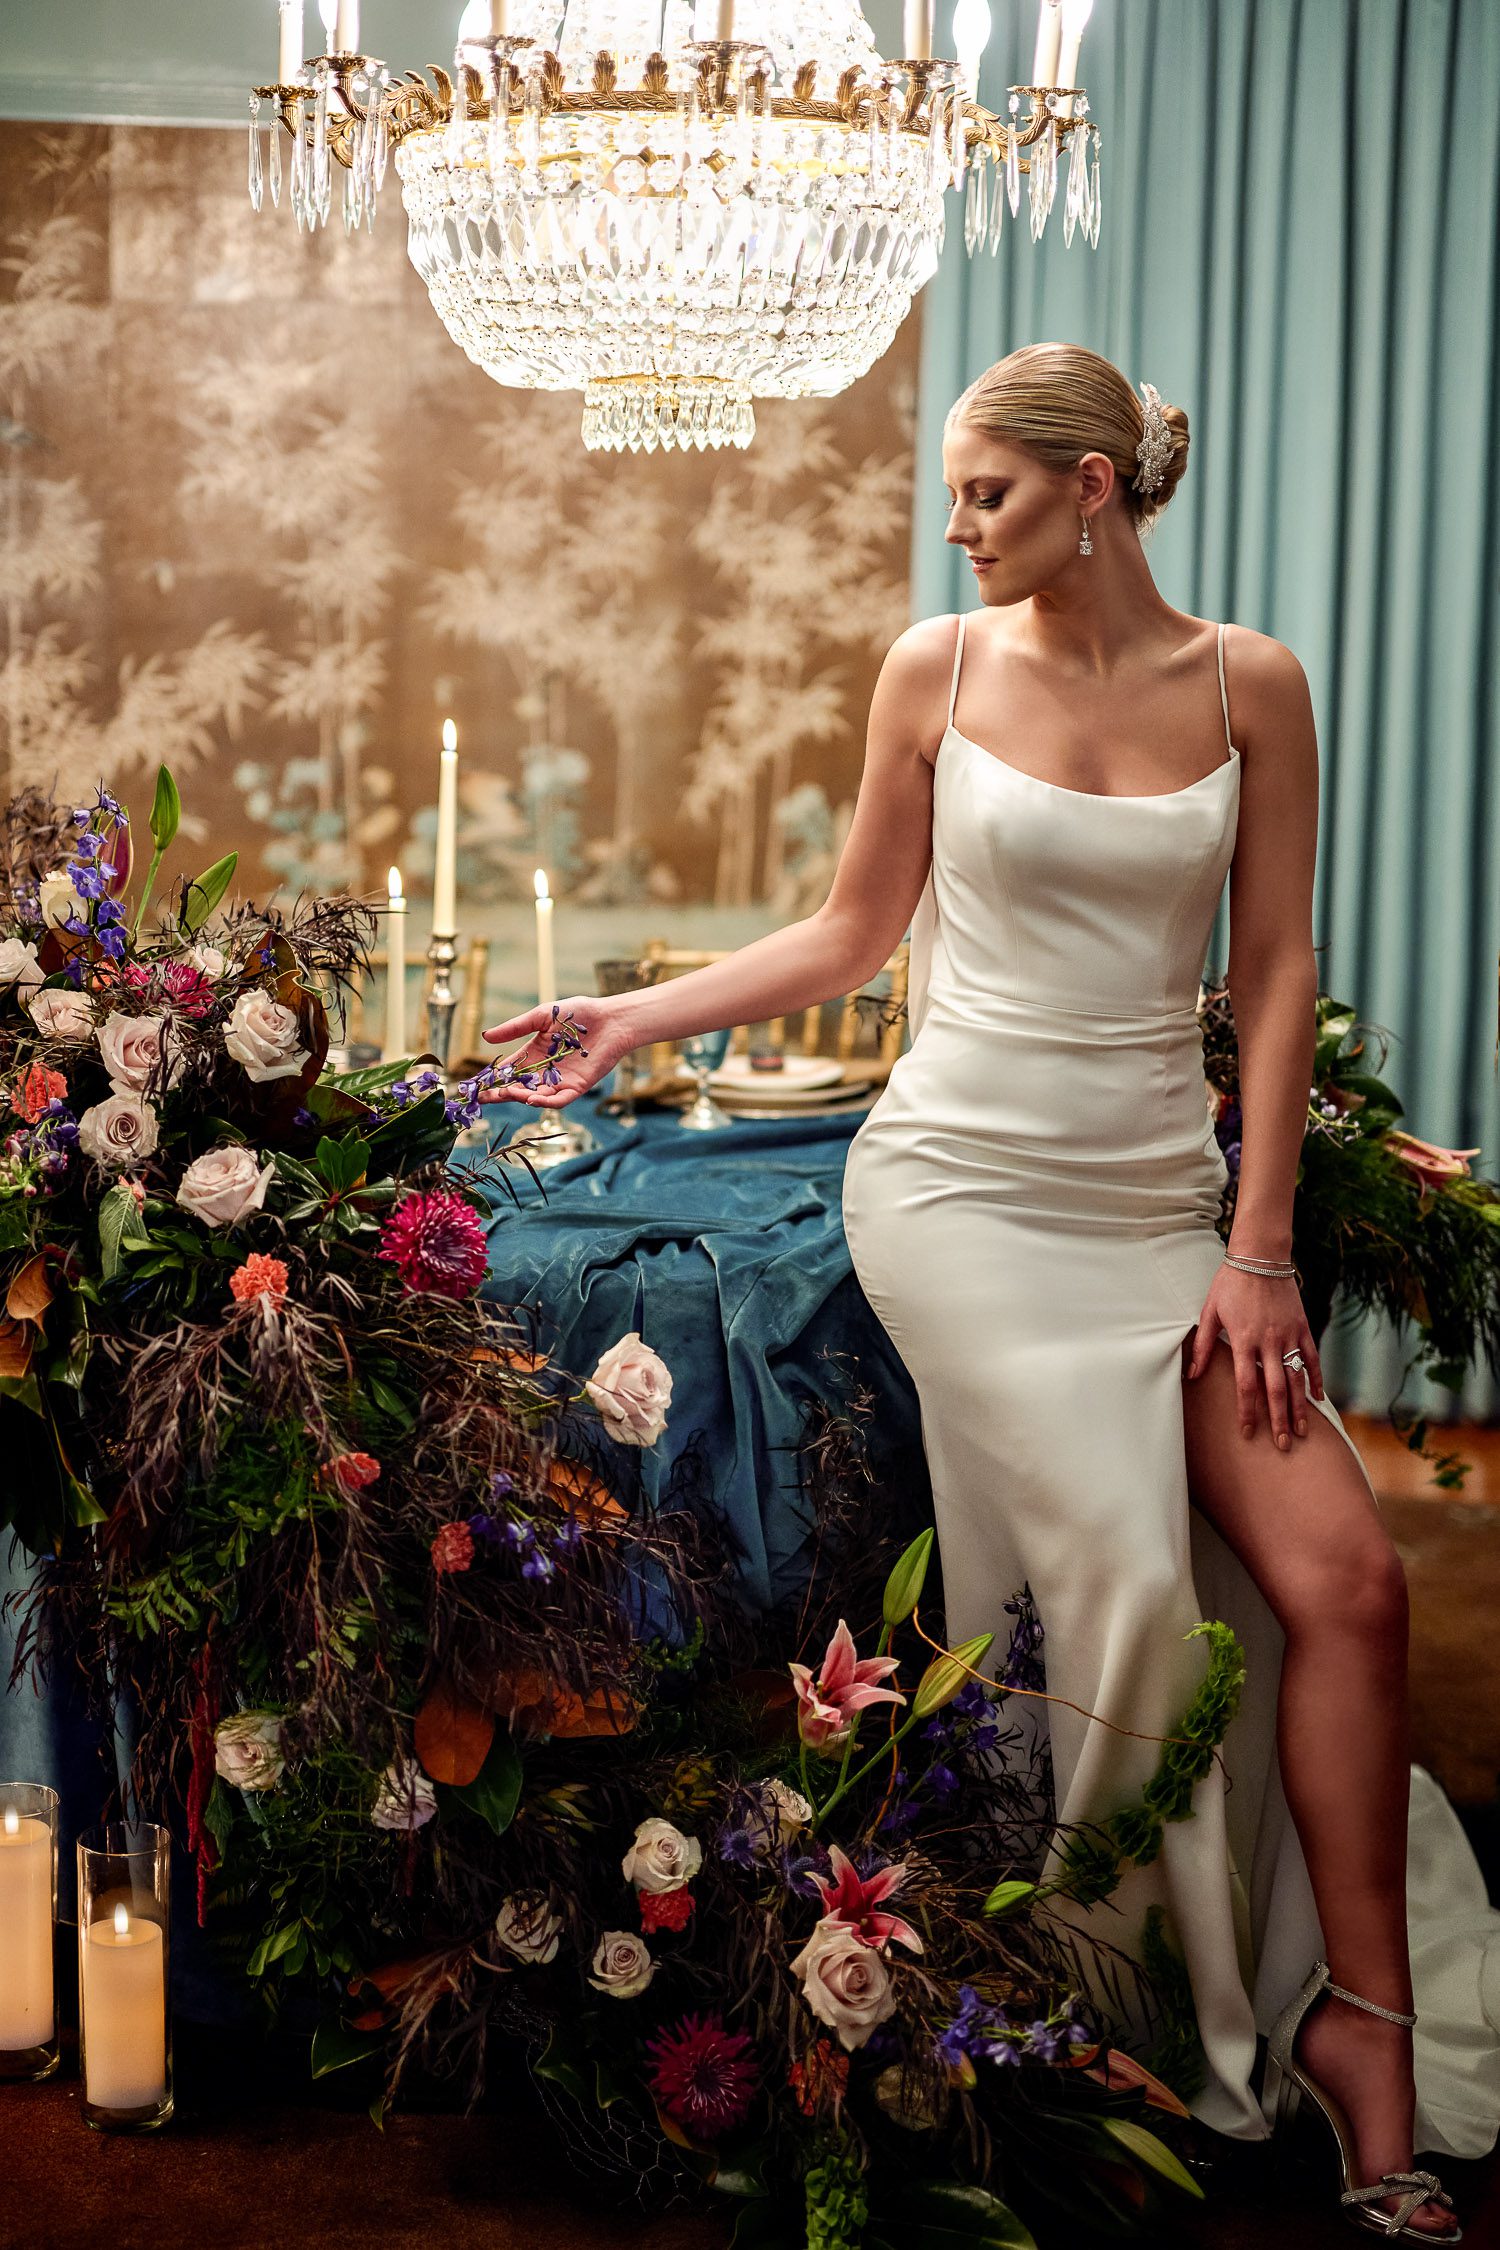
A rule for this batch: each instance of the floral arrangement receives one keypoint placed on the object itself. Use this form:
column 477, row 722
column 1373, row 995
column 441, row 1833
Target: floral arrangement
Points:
column 1382, row 1222
column 461, row 1737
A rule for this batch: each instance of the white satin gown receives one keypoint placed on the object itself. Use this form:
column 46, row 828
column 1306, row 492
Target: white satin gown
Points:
column 1030, row 1210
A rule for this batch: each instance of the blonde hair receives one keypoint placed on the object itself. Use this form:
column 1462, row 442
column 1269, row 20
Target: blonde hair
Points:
column 1060, row 401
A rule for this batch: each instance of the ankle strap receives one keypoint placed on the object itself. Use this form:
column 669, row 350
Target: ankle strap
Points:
column 1391, row 2015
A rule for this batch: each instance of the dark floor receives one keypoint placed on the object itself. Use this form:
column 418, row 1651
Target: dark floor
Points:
column 242, row 2167
column 245, row 2166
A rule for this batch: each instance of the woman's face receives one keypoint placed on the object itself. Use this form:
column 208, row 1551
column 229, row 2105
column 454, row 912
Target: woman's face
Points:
column 1017, row 521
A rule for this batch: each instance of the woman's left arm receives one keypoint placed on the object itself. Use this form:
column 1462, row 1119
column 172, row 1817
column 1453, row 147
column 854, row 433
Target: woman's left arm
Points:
column 1273, row 986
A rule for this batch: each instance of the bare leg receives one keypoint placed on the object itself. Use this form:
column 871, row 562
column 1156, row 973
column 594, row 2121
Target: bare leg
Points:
column 1305, row 1527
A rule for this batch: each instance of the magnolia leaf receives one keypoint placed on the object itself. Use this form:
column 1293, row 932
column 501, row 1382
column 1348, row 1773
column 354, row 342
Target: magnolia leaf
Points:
column 17, row 1343
column 1147, row 2149
column 1120, row 2071
column 335, row 2047
column 203, row 894
column 943, row 2214
column 30, row 1293
column 452, row 1736
column 495, row 1791
column 166, row 810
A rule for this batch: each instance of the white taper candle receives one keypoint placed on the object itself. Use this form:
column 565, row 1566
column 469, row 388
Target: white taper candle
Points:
column 546, row 967
column 395, row 970
column 445, row 869
column 1048, row 43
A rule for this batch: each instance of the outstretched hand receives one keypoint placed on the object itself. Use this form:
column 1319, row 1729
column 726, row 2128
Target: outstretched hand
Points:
column 558, row 1069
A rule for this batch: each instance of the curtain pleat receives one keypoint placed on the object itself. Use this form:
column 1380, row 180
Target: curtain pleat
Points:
column 1301, row 246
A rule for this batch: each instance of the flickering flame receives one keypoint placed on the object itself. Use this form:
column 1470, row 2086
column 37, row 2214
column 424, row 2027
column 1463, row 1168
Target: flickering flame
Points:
column 122, row 1922
column 450, row 735
column 393, row 887
column 539, row 883
column 12, row 1821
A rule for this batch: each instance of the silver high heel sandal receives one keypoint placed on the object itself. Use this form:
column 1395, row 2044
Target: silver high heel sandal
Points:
column 1286, row 2083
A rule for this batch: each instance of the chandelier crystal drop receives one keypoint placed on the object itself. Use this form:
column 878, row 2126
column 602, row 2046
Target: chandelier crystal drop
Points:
column 619, row 198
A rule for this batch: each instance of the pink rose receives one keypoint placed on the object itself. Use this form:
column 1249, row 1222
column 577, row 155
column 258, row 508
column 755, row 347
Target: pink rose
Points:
column 845, row 1983
column 405, row 1800
column 225, row 1185
column 118, row 1132
column 265, row 1038
column 63, row 1014
column 137, row 1050
column 661, row 1858
column 622, row 1965
column 632, row 1389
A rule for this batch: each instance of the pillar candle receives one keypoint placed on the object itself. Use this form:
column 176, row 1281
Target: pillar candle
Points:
column 346, row 28
column 395, row 972
column 124, row 2004
column 1048, row 42
column 546, row 970
column 445, row 872
column 25, row 1931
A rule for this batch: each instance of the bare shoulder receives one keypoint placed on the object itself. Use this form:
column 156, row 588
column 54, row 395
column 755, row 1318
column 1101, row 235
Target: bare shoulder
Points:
column 1262, row 670
column 911, row 694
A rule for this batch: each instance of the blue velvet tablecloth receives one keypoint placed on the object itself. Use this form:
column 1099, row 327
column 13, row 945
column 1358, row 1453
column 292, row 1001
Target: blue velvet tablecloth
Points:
column 725, row 1251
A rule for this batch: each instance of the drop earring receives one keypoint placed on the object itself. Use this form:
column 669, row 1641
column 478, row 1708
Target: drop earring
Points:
column 1085, row 544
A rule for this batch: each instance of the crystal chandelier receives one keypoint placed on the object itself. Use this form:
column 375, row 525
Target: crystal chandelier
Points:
column 678, row 206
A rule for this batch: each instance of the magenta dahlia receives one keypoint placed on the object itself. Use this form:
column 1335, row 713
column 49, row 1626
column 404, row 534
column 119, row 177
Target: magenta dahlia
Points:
column 703, row 2077
column 437, row 1242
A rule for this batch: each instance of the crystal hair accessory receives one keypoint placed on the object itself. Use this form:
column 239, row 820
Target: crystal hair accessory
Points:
column 1155, row 449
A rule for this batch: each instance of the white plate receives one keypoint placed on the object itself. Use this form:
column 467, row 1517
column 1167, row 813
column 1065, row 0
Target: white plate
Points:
column 798, row 1074
column 802, row 1097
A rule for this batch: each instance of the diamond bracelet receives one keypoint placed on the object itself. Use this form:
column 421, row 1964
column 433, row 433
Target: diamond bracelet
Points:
column 1269, row 1269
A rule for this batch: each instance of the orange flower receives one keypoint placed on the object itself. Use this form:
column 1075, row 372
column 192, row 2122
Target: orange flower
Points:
column 823, row 2074
column 1434, row 1167
column 35, row 1088
column 259, row 1277
column 352, row 1472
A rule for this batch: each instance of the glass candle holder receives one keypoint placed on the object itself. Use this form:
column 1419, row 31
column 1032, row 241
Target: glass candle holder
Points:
column 28, row 1912
column 124, row 1979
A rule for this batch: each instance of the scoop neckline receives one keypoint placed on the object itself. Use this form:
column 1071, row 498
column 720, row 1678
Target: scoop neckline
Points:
column 1096, row 796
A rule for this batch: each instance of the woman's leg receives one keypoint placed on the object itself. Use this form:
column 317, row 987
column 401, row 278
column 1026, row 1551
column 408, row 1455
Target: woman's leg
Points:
column 1306, row 1528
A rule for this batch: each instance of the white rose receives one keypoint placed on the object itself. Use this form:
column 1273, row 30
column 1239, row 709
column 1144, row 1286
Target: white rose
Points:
column 783, row 1812
column 247, row 1750
column 208, row 961
column 62, row 1014
column 59, row 899
column 622, row 1965
column 527, row 1927
column 224, row 1186
column 406, row 1799
column 138, row 1049
column 119, row 1131
column 845, row 1982
column 263, row 1035
column 661, row 1858
column 19, row 966
column 632, row 1389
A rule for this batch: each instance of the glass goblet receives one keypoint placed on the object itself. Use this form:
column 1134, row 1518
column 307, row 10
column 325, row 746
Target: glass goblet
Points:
column 704, row 1051
column 624, row 975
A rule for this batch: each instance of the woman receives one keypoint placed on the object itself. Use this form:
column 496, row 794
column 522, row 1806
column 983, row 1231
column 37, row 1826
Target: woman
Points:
column 1052, row 797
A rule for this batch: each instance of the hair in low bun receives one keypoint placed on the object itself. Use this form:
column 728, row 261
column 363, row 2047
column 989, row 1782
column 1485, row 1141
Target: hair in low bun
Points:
column 1061, row 401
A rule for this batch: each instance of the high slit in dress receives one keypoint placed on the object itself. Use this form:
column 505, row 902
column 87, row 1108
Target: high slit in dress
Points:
column 1030, row 1209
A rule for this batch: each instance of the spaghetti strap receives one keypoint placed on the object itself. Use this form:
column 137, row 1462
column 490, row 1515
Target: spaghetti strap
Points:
column 958, row 657
column 1223, row 691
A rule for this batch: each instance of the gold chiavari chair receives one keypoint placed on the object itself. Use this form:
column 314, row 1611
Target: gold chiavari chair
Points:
column 813, row 1037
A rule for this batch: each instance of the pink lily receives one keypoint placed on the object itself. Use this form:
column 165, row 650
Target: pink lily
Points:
column 846, row 1684
column 1433, row 1166
column 853, row 1901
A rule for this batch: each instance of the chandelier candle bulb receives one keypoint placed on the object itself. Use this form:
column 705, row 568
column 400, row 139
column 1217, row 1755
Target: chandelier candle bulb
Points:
column 1075, row 14
column 445, row 870
column 291, row 43
column 395, row 971
column 26, row 1889
column 1048, row 44
column 726, row 19
column 546, row 968
column 499, row 19
column 917, row 33
column 346, row 28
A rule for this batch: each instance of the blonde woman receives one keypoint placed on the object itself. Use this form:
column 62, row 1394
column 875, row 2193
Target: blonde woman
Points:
column 1055, row 789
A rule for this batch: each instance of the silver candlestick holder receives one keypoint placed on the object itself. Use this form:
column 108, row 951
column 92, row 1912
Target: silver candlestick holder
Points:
column 442, row 952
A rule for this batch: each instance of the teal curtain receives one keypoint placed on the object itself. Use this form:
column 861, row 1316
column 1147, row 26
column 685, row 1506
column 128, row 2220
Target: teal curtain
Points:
column 1299, row 246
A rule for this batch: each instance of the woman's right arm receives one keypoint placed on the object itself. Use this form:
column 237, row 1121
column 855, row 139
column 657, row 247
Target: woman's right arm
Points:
column 875, row 889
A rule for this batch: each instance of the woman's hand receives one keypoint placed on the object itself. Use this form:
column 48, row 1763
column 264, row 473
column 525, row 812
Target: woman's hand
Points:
column 604, row 1034
column 1263, row 1320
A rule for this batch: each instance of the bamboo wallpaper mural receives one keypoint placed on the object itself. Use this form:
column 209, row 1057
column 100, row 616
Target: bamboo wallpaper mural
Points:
column 284, row 567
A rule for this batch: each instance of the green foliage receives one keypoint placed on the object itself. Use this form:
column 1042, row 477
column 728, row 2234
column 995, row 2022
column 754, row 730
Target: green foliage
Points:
column 203, row 895
column 903, row 1589
column 1176, row 2055
column 946, row 2215
column 837, row 2203
column 120, row 1224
